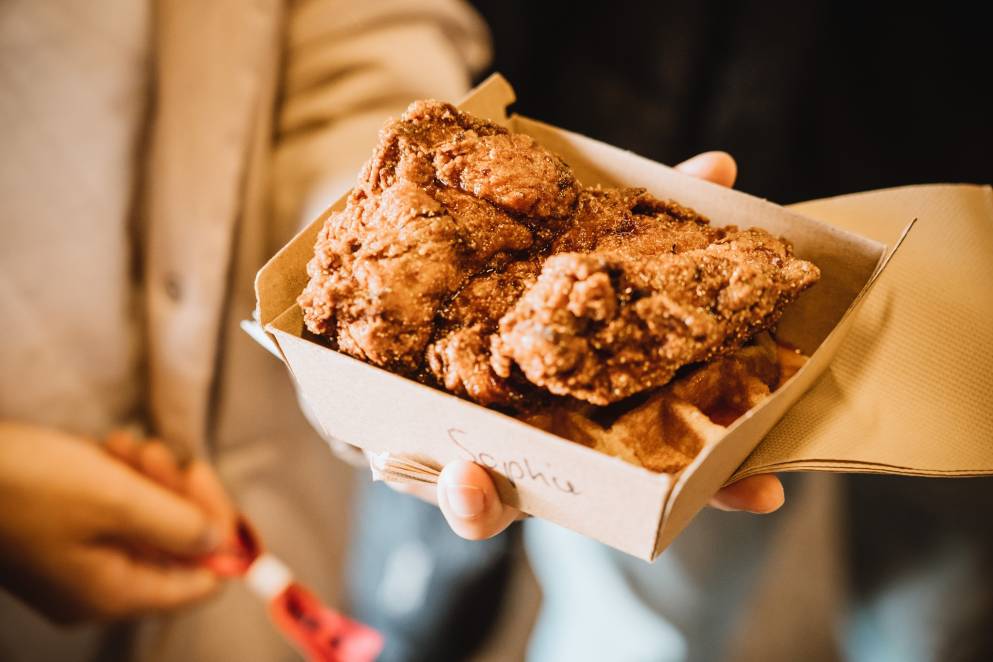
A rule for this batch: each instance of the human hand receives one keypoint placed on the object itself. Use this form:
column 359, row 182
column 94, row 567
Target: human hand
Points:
column 89, row 534
column 466, row 493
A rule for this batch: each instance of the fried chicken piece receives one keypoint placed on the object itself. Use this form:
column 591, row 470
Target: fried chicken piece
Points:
column 512, row 172
column 627, row 218
column 471, row 258
column 634, row 222
column 380, row 271
column 444, row 198
column 460, row 357
column 602, row 326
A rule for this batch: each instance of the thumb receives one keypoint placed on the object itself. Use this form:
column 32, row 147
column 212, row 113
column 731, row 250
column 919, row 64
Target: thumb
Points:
column 716, row 167
column 151, row 515
column 760, row 494
column 470, row 503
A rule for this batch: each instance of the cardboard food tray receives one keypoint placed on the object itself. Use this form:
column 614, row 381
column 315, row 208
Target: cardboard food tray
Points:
column 627, row 507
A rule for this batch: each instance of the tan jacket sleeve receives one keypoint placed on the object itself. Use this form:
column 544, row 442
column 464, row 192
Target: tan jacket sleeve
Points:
column 348, row 66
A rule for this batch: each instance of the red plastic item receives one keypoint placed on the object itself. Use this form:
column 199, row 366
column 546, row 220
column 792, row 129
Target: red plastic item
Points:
column 321, row 633
column 236, row 556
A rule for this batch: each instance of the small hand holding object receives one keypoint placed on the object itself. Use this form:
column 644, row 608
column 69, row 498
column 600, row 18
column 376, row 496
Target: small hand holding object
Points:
column 89, row 533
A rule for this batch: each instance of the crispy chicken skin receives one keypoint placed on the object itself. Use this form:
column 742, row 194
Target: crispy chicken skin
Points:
column 445, row 197
column 604, row 325
column 471, row 258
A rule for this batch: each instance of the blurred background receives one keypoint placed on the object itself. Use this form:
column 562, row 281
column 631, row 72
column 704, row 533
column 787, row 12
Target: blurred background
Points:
column 813, row 99
column 156, row 153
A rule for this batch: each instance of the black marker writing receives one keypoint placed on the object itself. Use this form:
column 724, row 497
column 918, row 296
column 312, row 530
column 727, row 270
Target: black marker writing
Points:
column 514, row 470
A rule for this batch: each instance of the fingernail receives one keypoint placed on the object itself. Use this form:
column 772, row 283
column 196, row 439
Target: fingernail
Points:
column 465, row 501
column 773, row 498
column 768, row 501
column 696, row 163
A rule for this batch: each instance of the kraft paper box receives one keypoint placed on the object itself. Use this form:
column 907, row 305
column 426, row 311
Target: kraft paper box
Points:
column 418, row 429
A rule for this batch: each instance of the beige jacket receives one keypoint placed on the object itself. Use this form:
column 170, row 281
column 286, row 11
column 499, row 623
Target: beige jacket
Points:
column 260, row 113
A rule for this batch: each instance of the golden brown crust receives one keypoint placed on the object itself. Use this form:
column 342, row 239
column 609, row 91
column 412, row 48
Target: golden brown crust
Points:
column 406, row 243
column 605, row 325
column 471, row 258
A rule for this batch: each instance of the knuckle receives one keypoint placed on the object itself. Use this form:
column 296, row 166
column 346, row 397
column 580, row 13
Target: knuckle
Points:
column 116, row 503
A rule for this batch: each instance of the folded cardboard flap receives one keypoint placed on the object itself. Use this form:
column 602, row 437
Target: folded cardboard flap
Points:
column 714, row 464
column 490, row 100
column 911, row 392
column 711, row 468
column 281, row 280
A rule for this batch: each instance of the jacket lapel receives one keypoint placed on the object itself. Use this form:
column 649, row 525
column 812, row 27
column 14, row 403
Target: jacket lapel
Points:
column 208, row 92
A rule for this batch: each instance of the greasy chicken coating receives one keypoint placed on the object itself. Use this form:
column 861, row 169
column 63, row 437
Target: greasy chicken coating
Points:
column 634, row 222
column 380, row 270
column 460, row 356
column 512, row 172
column 629, row 218
column 420, row 224
column 471, row 258
column 406, row 147
column 602, row 326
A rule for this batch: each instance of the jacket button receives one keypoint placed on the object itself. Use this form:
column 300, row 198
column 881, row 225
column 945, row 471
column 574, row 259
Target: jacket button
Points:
column 173, row 289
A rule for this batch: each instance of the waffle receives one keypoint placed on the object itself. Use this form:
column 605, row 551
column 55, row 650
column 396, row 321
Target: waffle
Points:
column 665, row 430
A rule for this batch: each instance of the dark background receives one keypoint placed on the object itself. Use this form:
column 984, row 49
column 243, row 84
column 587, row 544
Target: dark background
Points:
column 812, row 98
